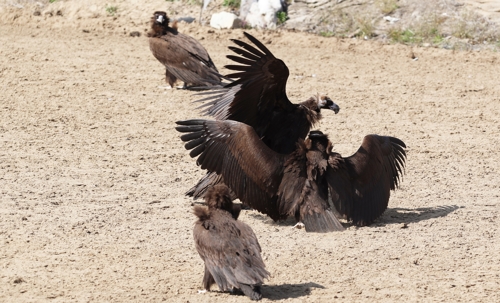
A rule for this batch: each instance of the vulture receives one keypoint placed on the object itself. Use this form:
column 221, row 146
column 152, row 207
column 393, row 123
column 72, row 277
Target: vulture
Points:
column 257, row 97
column 183, row 56
column 300, row 183
column 228, row 247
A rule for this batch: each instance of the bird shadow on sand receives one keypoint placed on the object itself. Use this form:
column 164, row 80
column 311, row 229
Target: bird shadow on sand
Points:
column 288, row 291
column 399, row 215
column 267, row 220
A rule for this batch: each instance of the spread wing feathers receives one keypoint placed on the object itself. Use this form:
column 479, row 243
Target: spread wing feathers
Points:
column 218, row 102
column 360, row 184
column 230, row 250
column 176, row 52
column 232, row 149
column 258, row 89
column 209, row 180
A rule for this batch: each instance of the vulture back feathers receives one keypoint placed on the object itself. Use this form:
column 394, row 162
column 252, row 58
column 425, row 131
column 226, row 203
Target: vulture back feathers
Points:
column 183, row 56
column 299, row 184
column 228, row 247
column 257, row 97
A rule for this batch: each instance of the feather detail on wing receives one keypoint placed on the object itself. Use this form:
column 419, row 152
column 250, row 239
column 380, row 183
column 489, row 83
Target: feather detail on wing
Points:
column 185, row 58
column 360, row 184
column 232, row 149
column 258, row 89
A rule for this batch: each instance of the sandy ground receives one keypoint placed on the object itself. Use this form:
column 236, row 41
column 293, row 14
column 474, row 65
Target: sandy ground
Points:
column 92, row 172
column 488, row 8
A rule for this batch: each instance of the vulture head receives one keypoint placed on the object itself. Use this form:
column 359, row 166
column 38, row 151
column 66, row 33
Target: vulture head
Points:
column 219, row 197
column 319, row 141
column 160, row 18
column 159, row 24
column 324, row 102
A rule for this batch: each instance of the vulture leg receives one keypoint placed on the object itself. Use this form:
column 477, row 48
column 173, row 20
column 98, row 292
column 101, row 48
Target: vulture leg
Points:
column 208, row 279
column 253, row 292
column 170, row 78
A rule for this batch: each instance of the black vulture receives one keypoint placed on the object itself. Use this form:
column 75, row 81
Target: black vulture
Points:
column 228, row 247
column 183, row 56
column 299, row 184
column 257, row 97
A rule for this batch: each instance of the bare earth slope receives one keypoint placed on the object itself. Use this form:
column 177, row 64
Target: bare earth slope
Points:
column 92, row 172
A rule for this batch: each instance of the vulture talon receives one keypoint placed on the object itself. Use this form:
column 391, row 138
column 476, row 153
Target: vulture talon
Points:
column 299, row 225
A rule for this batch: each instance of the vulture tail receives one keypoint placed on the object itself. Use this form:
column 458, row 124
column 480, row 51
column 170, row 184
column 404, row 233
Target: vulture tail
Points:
column 323, row 222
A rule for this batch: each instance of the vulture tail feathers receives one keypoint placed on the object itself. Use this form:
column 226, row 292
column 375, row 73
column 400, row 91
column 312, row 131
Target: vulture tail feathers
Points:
column 323, row 222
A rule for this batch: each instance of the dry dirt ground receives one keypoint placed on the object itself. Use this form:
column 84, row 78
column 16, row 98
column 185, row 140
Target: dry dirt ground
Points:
column 92, row 172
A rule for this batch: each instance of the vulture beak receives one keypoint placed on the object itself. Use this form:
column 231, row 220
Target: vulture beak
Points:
column 160, row 19
column 332, row 105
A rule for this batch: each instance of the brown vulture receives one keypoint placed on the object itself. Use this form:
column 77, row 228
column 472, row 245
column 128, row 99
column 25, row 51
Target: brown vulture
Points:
column 228, row 247
column 183, row 56
column 257, row 97
column 299, row 184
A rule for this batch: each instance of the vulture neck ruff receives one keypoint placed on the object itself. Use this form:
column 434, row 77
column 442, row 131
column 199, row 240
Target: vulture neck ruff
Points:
column 311, row 110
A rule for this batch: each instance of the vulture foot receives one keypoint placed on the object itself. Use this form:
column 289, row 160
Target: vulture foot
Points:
column 299, row 225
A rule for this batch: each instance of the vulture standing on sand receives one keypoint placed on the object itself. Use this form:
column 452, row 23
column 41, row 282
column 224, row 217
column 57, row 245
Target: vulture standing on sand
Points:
column 257, row 97
column 184, row 57
column 228, row 247
column 299, row 184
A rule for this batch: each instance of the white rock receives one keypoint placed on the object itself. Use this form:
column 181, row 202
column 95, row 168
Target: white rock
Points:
column 260, row 13
column 390, row 19
column 224, row 20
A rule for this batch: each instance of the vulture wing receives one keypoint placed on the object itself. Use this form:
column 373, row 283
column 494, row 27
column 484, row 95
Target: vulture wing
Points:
column 232, row 149
column 229, row 248
column 258, row 89
column 185, row 58
column 360, row 184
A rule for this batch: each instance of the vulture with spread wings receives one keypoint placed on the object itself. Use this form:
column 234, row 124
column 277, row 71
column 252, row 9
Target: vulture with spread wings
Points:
column 228, row 247
column 299, row 184
column 257, row 97
column 183, row 56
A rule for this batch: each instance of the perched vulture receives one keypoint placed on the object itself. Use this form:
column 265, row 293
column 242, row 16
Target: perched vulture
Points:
column 228, row 247
column 184, row 57
column 299, row 184
column 257, row 97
